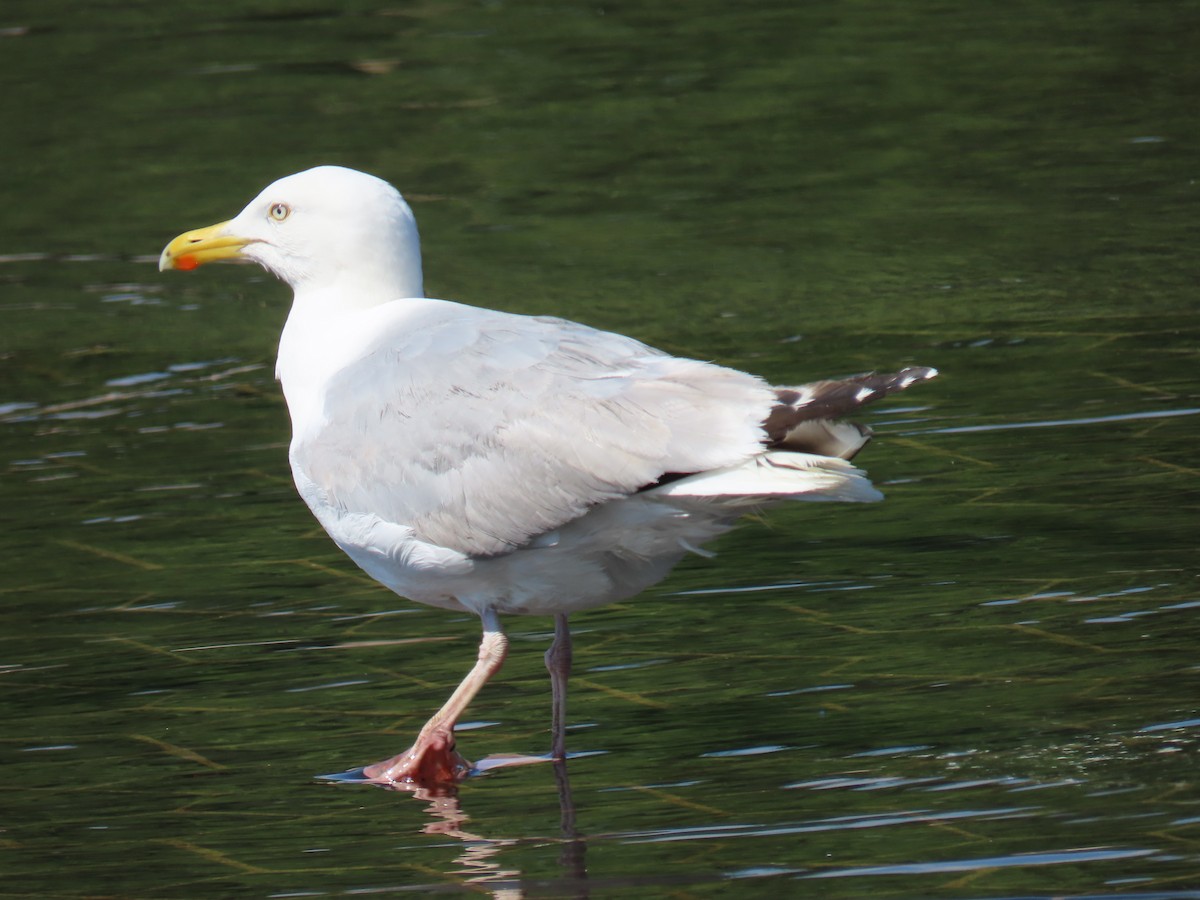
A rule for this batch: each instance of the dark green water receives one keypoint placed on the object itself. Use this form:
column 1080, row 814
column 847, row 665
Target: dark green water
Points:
column 987, row 686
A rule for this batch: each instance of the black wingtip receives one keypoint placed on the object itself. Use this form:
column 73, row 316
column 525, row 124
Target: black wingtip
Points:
column 805, row 417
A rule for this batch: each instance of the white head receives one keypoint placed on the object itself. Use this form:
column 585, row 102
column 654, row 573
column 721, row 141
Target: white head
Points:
column 332, row 234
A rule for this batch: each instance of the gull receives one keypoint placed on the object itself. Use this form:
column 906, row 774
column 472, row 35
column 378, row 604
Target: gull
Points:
column 492, row 463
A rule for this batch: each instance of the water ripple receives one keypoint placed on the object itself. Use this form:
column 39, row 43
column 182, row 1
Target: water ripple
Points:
column 838, row 823
column 1052, row 858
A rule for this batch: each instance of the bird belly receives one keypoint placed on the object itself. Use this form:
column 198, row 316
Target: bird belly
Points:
column 612, row 552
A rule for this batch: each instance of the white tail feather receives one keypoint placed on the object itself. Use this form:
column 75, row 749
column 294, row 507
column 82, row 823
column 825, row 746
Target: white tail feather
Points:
column 778, row 474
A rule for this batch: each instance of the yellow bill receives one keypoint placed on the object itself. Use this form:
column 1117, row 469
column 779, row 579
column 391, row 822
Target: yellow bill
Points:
column 204, row 245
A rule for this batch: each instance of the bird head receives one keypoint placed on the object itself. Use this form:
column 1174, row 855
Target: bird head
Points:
column 328, row 230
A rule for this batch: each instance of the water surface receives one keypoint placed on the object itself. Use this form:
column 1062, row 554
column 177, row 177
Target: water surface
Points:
column 984, row 687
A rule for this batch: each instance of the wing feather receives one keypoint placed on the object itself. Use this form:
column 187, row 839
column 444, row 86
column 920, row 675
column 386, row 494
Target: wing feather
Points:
column 480, row 430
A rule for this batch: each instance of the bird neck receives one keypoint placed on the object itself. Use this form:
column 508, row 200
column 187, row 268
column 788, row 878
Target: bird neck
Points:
column 343, row 290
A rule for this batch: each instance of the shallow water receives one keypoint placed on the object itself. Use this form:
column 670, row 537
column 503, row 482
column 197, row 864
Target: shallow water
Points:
column 984, row 687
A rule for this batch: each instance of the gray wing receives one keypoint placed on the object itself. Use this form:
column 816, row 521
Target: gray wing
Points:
column 481, row 430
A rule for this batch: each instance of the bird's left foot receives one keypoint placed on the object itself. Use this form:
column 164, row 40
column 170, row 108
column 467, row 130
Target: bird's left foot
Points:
column 435, row 772
column 431, row 763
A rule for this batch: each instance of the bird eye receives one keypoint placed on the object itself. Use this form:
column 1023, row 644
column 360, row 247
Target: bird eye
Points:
column 280, row 211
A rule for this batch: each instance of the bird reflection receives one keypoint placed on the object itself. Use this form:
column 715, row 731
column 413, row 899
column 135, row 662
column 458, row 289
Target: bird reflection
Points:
column 480, row 863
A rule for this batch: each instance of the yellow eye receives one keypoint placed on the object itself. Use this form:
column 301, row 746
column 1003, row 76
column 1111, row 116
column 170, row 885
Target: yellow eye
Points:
column 280, row 211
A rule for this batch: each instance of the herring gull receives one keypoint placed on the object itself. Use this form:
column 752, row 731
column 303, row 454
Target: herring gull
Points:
column 494, row 463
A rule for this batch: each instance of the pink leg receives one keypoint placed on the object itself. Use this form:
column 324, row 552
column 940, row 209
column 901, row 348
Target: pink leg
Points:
column 432, row 759
column 558, row 664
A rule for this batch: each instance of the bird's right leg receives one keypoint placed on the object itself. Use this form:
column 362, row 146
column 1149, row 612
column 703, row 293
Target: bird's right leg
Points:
column 558, row 664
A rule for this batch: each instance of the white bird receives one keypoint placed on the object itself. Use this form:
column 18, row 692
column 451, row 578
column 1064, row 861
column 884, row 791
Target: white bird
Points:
column 495, row 463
